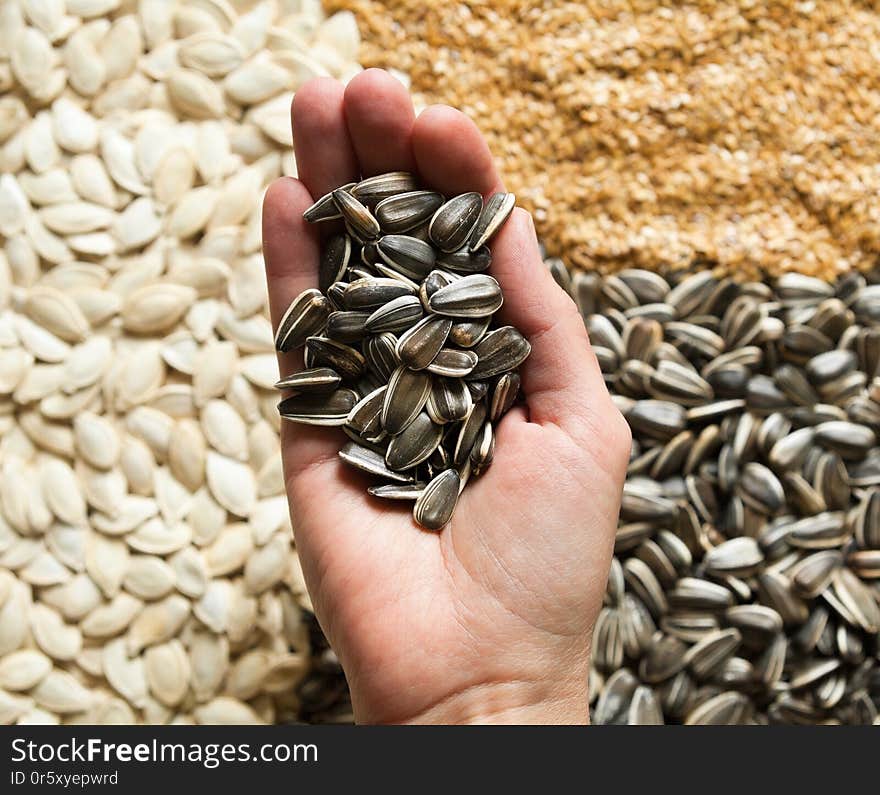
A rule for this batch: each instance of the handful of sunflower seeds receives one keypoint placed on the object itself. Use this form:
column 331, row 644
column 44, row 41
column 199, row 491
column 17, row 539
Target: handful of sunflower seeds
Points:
column 400, row 348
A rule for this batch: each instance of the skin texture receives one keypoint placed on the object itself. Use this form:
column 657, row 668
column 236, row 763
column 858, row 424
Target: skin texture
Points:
column 489, row 620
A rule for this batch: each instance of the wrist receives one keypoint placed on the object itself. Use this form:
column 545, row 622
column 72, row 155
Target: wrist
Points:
column 511, row 703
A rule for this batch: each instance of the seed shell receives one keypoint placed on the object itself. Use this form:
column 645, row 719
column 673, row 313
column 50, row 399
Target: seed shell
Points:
column 436, row 504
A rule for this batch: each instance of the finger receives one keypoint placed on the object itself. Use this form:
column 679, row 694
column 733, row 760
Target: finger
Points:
column 451, row 154
column 379, row 115
column 290, row 251
column 562, row 380
column 325, row 158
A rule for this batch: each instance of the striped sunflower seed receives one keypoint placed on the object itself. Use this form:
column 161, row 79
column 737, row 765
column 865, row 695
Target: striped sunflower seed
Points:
column 504, row 393
column 397, row 315
column 449, row 400
column 453, row 363
column 372, row 190
column 473, row 296
column 370, row 461
column 421, row 344
column 357, row 217
column 408, row 256
column 306, row 316
column 404, row 211
column 344, row 359
column 467, row 333
column 309, row 409
column 414, row 444
column 496, row 211
column 402, row 491
column 498, row 352
column 318, row 380
column 335, row 258
column 405, row 397
column 451, row 225
column 372, row 293
column 466, row 261
column 436, row 504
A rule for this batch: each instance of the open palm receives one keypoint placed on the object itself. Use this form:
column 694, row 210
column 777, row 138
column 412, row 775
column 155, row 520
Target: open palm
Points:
column 491, row 618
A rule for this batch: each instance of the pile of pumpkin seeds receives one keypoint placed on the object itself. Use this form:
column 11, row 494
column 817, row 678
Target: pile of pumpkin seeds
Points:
column 400, row 346
column 744, row 587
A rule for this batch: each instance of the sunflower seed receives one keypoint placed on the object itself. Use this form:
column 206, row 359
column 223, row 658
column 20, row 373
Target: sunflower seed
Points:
column 496, row 211
column 335, row 257
column 372, row 190
column 436, row 504
column 453, row 223
column 356, row 216
column 319, row 380
column 419, row 346
column 344, row 359
column 472, row 296
column 404, row 211
column 498, row 352
column 467, row 333
column 405, row 397
column 399, row 314
column 319, row 409
column 369, row 461
column 306, row 316
column 408, row 256
column 466, row 261
column 403, row 491
column 414, row 444
column 372, row 293
column 453, row 363
column 325, row 208
column 449, row 400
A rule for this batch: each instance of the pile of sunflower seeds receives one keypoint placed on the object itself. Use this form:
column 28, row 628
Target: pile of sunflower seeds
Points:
column 744, row 584
column 400, row 348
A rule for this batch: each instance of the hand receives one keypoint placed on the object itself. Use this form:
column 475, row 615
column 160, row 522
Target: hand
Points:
column 490, row 619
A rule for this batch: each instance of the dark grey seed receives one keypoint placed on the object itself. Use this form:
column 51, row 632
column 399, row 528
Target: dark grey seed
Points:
column 615, row 698
column 738, row 557
column 483, row 450
column 761, row 489
column 379, row 446
column 712, row 651
column 812, row 575
column 867, row 529
column 307, row 315
column 336, row 295
column 318, row 380
column 712, row 412
column 407, row 255
column 794, row 384
column 658, row 419
column 775, row 590
column 404, row 491
column 497, row 210
column 683, row 385
column 399, row 314
column 372, row 190
column 369, row 254
column 831, row 365
column 358, row 219
column 347, row 326
column 390, row 273
column 419, row 346
column 729, row 381
column 435, row 506
column 365, row 417
column 370, row 461
column 725, row 709
column 690, row 292
column 664, row 659
column 332, row 409
column 453, row 363
column 325, row 208
column 504, row 394
column 693, row 593
column 757, row 624
column 347, row 361
column 849, row 440
column 468, row 432
column 380, row 352
column 559, row 273
column 467, row 333
column 368, row 383
column 371, row 293
column 449, row 400
column 478, row 389
column 649, row 287
column 763, row 395
column 466, row 261
column 431, row 283
column 405, row 397
column 472, row 296
column 414, row 444
column 499, row 351
column 452, row 224
column 825, row 530
column 405, row 211
column 335, row 257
